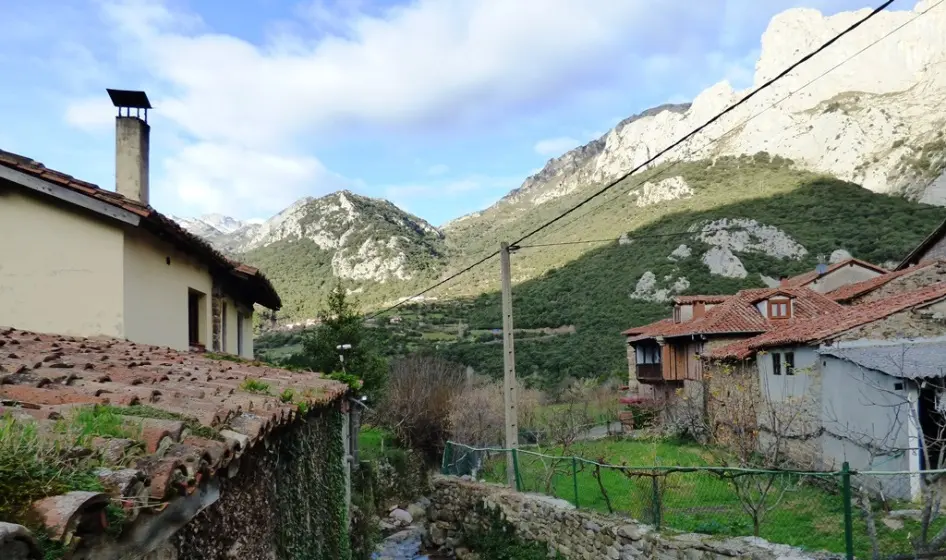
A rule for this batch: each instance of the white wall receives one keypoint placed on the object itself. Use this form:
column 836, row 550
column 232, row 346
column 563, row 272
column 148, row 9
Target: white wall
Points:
column 60, row 269
column 860, row 406
column 156, row 292
column 229, row 338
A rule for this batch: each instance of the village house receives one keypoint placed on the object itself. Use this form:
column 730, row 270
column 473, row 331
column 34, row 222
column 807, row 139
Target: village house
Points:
column 665, row 356
column 859, row 373
column 144, row 447
column 80, row 260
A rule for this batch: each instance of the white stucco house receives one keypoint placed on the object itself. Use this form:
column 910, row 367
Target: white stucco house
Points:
column 79, row 260
column 870, row 376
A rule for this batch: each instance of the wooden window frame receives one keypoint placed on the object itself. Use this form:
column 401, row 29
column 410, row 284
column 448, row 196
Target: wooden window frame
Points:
column 774, row 304
column 776, row 363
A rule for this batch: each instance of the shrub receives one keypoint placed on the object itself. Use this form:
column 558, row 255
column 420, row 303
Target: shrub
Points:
column 418, row 401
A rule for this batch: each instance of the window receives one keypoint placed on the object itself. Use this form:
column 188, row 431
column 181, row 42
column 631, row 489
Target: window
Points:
column 223, row 326
column 777, row 364
column 239, row 333
column 780, row 309
column 649, row 354
column 677, row 314
column 789, row 363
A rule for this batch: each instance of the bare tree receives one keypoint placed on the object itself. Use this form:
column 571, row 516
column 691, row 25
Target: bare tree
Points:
column 750, row 429
column 418, row 400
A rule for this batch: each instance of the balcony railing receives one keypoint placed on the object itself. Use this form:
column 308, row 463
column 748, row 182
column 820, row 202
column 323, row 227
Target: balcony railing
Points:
column 649, row 372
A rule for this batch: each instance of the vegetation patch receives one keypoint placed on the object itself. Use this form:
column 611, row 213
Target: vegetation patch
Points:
column 33, row 467
column 251, row 385
column 143, row 411
column 85, row 423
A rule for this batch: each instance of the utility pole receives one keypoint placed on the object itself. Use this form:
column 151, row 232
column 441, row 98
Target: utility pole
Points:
column 510, row 389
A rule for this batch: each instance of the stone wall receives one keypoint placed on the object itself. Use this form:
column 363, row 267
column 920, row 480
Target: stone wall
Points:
column 579, row 535
column 284, row 499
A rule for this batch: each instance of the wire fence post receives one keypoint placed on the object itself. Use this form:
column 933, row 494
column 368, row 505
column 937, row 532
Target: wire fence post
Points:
column 447, row 458
column 515, row 469
column 575, row 479
column 848, row 513
column 655, row 506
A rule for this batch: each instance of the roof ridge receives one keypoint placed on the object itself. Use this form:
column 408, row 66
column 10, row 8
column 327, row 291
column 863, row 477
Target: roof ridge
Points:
column 158, row 220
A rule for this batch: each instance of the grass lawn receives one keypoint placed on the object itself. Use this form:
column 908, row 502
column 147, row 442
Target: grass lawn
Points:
column 810, row 514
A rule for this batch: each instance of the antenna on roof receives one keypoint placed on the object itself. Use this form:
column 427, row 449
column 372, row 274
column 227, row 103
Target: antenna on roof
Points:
column 128, row 100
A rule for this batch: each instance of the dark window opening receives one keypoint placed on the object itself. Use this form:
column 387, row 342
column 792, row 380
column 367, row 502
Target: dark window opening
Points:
column 898, row 386
column 777, row 364
column 168, row 260
column 195, row 309
column 789, row 363
column 239, row 333
column 223, row 326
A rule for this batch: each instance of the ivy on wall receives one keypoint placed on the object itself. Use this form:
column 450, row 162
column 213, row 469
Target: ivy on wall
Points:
column 312, row 521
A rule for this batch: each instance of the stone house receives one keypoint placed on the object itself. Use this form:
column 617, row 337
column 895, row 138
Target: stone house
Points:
column 665, row 356
column 892, row 283
column 865, row 376
column 84, row 261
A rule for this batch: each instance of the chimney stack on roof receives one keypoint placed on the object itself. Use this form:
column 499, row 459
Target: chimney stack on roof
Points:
column 132, row 141
column 783, row 280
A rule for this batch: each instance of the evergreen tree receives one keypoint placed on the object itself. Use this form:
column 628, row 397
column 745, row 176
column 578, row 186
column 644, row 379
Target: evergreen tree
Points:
column 341, row 324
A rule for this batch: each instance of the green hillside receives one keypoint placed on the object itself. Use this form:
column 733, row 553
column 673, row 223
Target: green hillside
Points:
column 302, row 271
column 592, row 290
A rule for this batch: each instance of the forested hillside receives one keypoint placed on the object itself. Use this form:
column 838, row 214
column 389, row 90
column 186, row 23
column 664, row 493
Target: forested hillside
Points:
column 798, row 217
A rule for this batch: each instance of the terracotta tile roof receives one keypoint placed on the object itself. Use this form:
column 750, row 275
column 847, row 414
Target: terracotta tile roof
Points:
column 259, row 287
column 803, row 279
column 821, row 328
column 649, row 330
column 46, row 377
column 684, row 300
column 738, row 315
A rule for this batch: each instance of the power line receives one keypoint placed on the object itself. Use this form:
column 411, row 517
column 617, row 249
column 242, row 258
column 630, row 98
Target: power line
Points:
column 772, row 106
column 721, row 228
column 433, row 287
column 655, row 157
column 702, row 127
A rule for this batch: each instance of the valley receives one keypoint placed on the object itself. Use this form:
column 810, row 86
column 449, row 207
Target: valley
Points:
column 830, row 162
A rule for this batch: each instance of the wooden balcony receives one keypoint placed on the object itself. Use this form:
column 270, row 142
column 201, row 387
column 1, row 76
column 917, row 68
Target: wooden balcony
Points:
column 649, row 372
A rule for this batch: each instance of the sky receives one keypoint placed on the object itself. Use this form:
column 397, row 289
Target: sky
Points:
column 441, row 106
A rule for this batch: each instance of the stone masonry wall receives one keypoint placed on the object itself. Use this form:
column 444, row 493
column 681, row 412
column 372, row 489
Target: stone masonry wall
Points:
column 581, row 535
column 284, row 500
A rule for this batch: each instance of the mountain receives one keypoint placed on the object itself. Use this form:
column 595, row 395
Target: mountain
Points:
column 876, row 120
column 374, row 247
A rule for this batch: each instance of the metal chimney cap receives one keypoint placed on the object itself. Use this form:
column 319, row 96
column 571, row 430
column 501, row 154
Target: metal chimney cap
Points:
column 129, row 98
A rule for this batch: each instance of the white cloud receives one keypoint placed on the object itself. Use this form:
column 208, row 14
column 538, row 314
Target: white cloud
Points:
column 229, row 179
column 244, row 108
column 438, row 169
column 555, row 146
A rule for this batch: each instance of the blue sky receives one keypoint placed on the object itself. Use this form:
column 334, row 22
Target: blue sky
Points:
column 441, row 106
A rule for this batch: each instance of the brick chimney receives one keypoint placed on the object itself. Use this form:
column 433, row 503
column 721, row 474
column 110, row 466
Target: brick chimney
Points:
column 132, row 142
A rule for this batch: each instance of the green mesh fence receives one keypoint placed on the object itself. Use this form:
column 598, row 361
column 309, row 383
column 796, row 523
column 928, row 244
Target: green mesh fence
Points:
column 856, row 514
